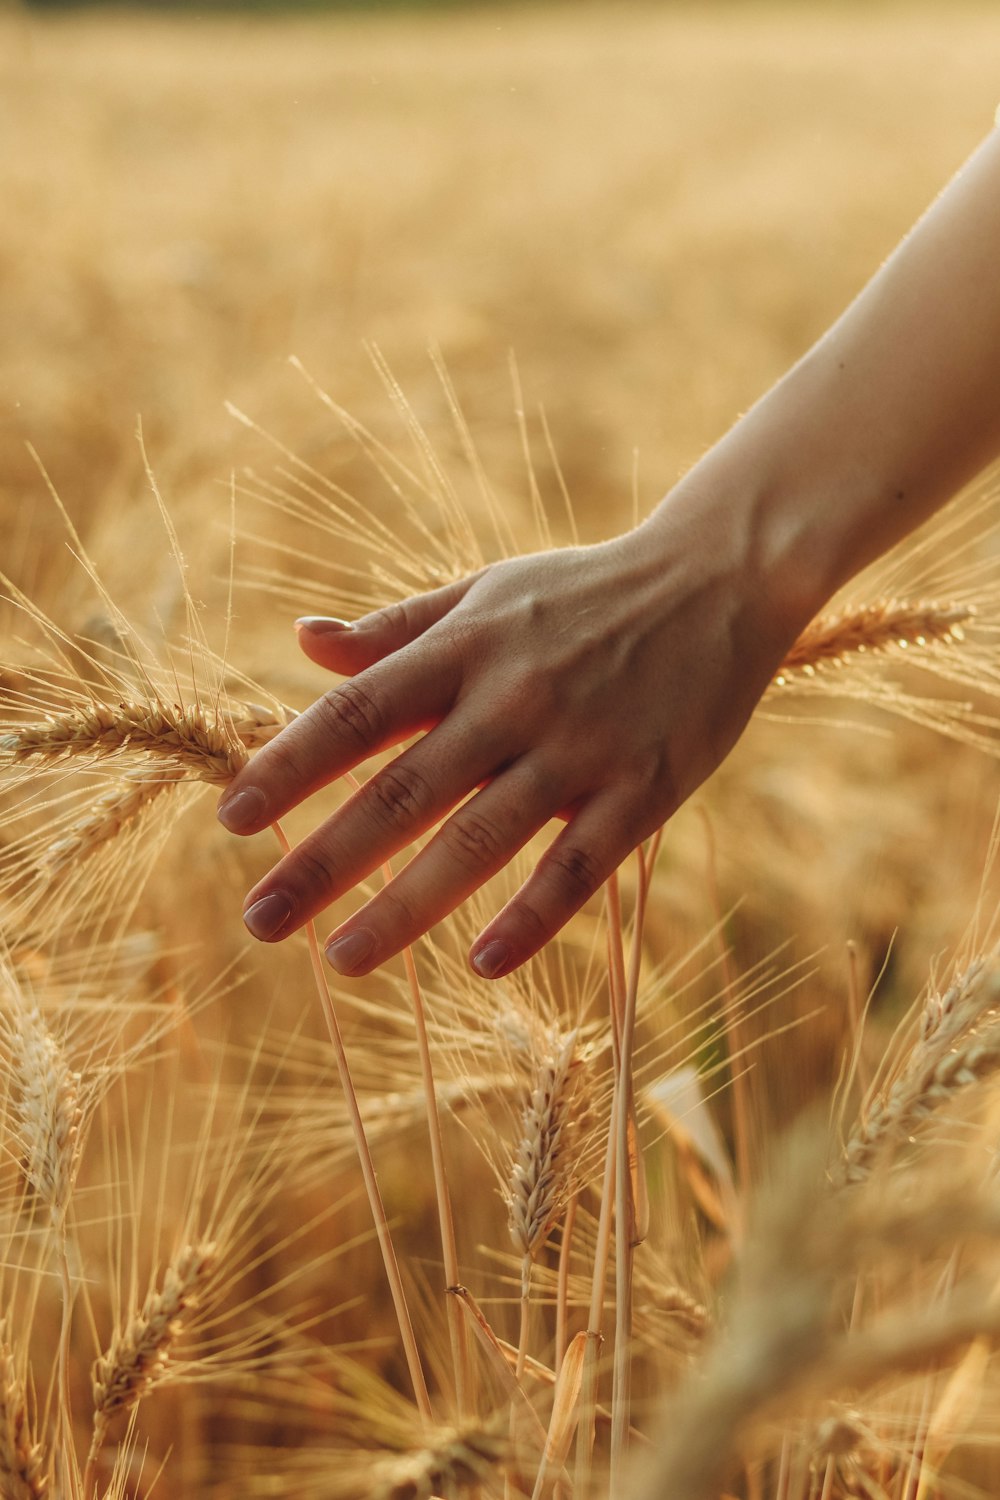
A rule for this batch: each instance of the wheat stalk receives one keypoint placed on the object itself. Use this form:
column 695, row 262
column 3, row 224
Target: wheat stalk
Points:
column 831, row 640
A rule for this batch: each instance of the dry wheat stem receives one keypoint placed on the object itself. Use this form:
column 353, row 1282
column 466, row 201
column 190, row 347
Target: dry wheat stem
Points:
column 365, row 1161
column 622, row 1120
column 212, row 746
column 457, row 1331
column 22, row 1465
column 831, row 640
column 562, row 1282
column 587, row 1427
column 617, row 991
column 631, row 1199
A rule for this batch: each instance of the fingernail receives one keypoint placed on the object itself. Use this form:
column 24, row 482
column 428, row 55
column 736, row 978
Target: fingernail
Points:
column 491, row 960
column 348, row 953
column 241, row 811
column 322, row 624
column 268, row 915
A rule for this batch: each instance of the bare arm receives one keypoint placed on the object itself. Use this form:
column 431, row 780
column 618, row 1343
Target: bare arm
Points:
column 603, row 684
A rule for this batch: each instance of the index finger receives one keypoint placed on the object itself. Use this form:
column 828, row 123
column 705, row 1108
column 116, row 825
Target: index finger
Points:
column 350, row 723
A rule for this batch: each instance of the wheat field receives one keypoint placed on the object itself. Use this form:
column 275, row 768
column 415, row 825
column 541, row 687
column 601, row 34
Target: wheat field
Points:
column 302, row 314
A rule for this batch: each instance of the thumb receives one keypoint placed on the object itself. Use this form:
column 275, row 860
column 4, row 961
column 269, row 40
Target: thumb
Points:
column 347, row 648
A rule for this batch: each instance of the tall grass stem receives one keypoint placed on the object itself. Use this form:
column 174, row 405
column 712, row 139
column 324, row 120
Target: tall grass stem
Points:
column 407, row 1336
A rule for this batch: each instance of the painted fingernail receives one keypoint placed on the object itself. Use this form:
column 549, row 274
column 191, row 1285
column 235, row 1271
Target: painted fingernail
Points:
column 346, row 954
column 241, row 811
column 322, row 624
column 491, row 960
column 268, row 915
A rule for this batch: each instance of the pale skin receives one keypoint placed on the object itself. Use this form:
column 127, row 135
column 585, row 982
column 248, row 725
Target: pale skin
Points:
column 603, row 684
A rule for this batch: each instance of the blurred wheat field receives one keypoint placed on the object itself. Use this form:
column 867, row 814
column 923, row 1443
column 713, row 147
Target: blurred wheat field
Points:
column 655, row 210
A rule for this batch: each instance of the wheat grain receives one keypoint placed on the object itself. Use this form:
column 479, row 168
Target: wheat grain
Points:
column 885, row 625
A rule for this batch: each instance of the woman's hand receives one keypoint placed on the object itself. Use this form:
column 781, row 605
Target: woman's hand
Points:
column 603, row 684
column 600, row 685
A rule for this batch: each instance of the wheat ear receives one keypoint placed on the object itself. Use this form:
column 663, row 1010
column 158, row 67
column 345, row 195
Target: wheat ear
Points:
column 665, row 1309
column 48, row 1111
column 110, row 814
column 458, row 1459
column 541, row 1176
column 139, row 1357
column 833, row 639
column 22, row 1467
column 957, row 1045
column 212, row 746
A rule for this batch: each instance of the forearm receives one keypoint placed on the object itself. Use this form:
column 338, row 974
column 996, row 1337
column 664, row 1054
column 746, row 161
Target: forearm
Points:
column 884, row 419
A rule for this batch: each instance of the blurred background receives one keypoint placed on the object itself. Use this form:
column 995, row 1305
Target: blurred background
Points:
column 655, row 207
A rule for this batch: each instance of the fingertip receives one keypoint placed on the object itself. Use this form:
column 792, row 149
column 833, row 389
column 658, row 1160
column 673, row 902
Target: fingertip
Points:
column 322, row 625
column 242, row 811
column 493, row 960
column 323, row 638
column 353, row 953
column 266, row 918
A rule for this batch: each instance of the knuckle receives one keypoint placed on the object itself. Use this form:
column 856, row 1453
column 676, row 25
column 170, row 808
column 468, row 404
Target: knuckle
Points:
column 397, row 796
column 395, row 618
column 352, row 713
column 315, row 872
column 532, row 927
column 476, row 842
column 281, row 761
column 575, row 869
column 544, row 787
column 658, row 784
column 399, row 913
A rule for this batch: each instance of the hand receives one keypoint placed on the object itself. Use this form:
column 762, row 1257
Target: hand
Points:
column 600, row 685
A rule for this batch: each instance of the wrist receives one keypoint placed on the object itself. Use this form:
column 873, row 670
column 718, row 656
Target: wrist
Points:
column 745, row 530
column 796, row 507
